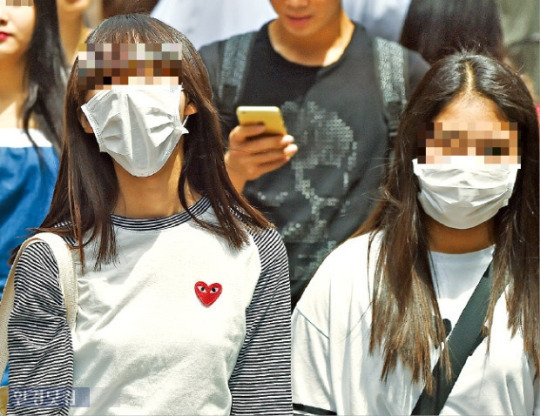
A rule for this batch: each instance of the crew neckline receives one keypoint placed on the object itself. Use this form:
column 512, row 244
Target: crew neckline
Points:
column 314, row 68
column 470, row 257
column 161, row 223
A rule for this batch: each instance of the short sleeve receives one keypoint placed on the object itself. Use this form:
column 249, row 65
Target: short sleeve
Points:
column 311, row 367
column 312, row 391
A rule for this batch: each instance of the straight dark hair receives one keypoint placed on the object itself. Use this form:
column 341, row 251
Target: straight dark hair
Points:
column 87, row 189
column 45, row 74
column 436, row 28
column 404, row 298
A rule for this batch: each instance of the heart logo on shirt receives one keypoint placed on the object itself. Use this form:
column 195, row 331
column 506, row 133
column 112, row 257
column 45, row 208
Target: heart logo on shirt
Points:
column 207, row 294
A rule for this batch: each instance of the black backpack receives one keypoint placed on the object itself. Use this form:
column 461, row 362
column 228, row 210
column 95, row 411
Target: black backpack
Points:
column 391, row 67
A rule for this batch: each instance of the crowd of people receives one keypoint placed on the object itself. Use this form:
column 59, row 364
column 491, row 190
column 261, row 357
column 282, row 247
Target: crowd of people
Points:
column 152, row 248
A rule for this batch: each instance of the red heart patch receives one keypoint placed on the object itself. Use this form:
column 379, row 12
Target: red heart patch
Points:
column 207, row 294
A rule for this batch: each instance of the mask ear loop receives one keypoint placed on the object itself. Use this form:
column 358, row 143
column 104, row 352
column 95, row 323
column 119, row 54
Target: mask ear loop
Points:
column 185, row 130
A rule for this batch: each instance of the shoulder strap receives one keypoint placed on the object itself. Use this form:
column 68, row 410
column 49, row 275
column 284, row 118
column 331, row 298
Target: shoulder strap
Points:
column 464, row 338
column 233, row 66
column 391, row 67
column 67, row 281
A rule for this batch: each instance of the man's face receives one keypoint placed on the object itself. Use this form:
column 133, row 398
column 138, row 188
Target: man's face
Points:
column 306, row 17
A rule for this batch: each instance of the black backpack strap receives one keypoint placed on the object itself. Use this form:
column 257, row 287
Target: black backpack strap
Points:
column 236, row 54
column 464, row 338
column 391, row 68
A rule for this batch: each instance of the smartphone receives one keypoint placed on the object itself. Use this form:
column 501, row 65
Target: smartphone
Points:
column 270, row 116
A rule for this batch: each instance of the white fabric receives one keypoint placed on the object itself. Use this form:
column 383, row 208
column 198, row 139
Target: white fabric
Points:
column 332, row 367
column 139, row 126
column 464, row 196
column 129, row 338
column 17, row 138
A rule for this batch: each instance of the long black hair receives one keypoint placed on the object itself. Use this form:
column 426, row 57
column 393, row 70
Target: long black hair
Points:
column 404, row 301
column 45, row 75
column 87, row 188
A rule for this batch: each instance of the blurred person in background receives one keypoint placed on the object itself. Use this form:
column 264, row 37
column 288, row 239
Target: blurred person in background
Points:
column 436, row 28
column 521, row 29
column 32, row 69
column 73, row 29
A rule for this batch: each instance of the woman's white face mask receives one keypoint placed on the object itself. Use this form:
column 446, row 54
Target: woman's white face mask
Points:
column 464, row 195
column 138, row 126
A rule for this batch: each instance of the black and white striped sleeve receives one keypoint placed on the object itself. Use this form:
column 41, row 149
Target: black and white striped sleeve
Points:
column 261, row 380
column 39, row 339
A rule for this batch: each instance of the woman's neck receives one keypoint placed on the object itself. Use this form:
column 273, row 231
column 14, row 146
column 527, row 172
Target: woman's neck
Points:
column 154, row 196
column 453, row 241
column 12, row 94
column 321, row 49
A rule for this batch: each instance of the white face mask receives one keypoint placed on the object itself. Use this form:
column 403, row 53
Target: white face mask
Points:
column 138, row 126
column 463, row 195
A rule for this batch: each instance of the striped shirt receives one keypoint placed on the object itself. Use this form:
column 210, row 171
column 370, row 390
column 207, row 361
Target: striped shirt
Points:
column 138, row 360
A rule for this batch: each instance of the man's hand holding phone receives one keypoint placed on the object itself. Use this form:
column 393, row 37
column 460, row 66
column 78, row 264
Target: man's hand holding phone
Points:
column 260, row 144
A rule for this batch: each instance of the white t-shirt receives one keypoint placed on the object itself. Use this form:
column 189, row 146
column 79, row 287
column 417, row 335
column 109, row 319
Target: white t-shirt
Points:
column 178, row 324
column 334, row 371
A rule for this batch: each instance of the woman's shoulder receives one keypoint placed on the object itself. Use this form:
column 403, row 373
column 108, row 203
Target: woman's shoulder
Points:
column 41, row 250
column 353, row 256
column 344, row 278
column 268, row 242
column 36, row 270
column 36, row 252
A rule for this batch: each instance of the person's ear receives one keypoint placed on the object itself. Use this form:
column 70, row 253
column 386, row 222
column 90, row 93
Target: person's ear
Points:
column 190, row 109
column 84, row 122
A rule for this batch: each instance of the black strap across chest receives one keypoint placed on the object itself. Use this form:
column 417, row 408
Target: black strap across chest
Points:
column 464, row 338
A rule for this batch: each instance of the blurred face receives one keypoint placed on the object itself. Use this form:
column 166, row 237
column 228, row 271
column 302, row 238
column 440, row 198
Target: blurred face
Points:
column 17, row 21
column 306, row 17
column 474, row 127
column 103, row 65
column 130, row 65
